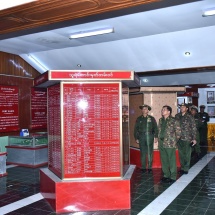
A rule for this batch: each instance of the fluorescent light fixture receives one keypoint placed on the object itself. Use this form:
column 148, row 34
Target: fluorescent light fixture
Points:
column 8, row 3
column 209, row 12
column 92, row 32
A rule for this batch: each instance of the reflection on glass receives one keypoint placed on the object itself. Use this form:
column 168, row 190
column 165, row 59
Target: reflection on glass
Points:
column 83, row 104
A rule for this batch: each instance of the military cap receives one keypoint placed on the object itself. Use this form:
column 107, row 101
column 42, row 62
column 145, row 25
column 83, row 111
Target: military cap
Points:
column 184, row 104
column 142, row 106
column 194, row 107
column 202, row 106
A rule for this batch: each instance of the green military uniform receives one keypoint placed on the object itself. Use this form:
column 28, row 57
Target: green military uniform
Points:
column 198, row 127
column 169, row 132
column 188, row 133
column 204, row 128
column 145, row 130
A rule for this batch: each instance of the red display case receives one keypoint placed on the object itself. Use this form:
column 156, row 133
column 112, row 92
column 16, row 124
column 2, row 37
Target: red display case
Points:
column 85, row 138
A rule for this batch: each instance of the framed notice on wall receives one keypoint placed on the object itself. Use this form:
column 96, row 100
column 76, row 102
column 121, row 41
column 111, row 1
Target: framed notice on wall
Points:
column 9, row 114
column 210, row 97
column 211, row 111
column 38, row 108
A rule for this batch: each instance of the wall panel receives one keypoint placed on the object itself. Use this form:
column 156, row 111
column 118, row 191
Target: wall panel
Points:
column 15, row 71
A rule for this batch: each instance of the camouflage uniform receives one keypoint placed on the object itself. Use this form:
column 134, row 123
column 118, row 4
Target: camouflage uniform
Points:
column 199, row 125
column 169, row 132
column 145, row 130
column 188, row 133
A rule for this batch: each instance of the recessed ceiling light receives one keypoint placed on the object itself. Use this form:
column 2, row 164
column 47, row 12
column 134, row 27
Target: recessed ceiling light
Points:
column 7, row 4
column 187, row 53
column 145, row 80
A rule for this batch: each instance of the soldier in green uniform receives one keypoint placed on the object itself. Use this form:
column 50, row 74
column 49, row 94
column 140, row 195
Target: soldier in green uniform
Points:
column 188, row 137
column 194, row 113
column 169, row 132
column 204, row 129
column 145, row 134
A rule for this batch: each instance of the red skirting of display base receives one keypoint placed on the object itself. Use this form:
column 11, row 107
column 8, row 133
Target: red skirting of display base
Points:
column 2, row 175
column 135, row 158
column 28, row 165
column 86, row 195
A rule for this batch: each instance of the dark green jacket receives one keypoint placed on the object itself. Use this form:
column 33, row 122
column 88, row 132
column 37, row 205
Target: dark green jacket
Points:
column 204, row 117
column 141, row 128
column 171, row 132
column 199, row 125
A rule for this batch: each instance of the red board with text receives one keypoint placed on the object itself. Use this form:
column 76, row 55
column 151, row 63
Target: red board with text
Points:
column 91, row 130
column 54, row 130
column 9, row 114
column 38, row 108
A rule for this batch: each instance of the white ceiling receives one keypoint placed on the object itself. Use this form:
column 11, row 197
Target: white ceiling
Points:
column 156, row 39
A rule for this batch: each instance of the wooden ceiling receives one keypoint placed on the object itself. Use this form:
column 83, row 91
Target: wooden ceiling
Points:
column 43, row 13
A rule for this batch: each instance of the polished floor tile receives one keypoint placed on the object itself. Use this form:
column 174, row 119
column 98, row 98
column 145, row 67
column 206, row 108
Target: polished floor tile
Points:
column 193, row 193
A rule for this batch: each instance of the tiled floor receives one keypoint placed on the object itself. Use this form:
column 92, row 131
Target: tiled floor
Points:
column 190, row 194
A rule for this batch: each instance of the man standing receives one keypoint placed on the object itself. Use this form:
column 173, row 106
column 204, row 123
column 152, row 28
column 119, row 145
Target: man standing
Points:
column 194, row 113
column 145, row 134
column 203, row 132
column 188, row 137
column 169, row 132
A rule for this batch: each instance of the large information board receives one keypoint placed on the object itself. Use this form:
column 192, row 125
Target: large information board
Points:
column 92, row 129
column 9, row 114
column 54, row 130
column 38, row 108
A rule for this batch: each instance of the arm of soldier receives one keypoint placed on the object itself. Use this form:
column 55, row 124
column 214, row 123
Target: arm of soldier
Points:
column 177, row 129
column 136, row 133
column 155, row 130
column 194, row 130
column 207, row 118
column 159, row 129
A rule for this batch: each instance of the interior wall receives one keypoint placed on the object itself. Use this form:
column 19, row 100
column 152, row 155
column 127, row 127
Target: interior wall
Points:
column 14, row 71
column 209, row 103
column 135, row 101
column 158, row 100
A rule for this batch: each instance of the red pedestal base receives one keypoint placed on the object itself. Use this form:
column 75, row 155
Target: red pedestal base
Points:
column 135, row 158
column 86, row 195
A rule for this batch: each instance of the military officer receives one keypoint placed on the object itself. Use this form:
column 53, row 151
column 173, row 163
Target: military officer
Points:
column 204, row 128
column 188, row 137
column 169, row 132
column 194, row 113
column 145, row 134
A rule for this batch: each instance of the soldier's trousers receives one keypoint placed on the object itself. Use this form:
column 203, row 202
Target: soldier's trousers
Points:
column 203, row 135
column 168, row 161
column 146, row 150
column 184, row 150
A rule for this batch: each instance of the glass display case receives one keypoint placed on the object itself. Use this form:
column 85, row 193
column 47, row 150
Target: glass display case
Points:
column 28, row 151
column 3, row 156
column 28, row 141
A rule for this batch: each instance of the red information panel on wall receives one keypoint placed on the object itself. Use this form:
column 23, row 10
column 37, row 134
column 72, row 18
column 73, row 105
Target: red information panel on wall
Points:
column 38, row 108
column 91, row 130
column 54, row 130
column 9, row 114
